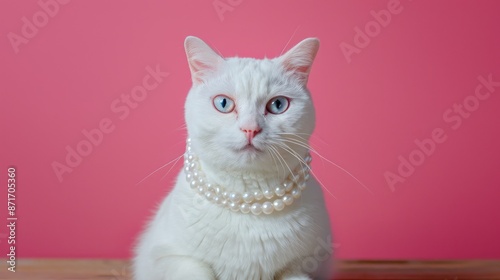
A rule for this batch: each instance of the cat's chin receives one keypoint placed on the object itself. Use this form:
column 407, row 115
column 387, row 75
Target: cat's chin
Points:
column 249, row 154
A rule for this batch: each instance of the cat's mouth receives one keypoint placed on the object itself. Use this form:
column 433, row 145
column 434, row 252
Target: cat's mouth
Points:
column 249, row 148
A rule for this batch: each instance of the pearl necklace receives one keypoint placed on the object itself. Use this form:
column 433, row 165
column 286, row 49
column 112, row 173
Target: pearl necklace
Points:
column 256, row 202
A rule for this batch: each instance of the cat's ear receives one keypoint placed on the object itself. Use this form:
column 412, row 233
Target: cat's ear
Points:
column 299, row 59
column 201, row 58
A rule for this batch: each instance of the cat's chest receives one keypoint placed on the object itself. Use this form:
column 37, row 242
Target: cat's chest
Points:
column 219, row 227
column 231, row 241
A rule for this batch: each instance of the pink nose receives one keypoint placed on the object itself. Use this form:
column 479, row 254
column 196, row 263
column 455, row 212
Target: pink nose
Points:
column 251, row 133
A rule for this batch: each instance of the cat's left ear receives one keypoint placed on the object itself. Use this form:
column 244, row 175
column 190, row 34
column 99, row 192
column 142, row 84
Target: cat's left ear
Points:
column 201, row 58
column 299, row 59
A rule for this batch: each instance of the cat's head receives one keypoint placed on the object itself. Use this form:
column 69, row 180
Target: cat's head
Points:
column 249, row 113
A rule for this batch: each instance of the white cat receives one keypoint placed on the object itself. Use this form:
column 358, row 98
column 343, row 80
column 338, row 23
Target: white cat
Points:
column 244, row 206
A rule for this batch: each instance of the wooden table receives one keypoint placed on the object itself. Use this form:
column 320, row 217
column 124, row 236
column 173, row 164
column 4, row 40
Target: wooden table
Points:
column 53, row 269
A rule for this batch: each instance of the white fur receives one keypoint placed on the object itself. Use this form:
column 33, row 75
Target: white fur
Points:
column 191, row 238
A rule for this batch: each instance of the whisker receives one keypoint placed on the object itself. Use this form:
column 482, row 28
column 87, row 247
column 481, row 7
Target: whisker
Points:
column 305, row 145
column 313, row 136
column 294, row 154
column 170, row 169
column 349, row 173
column 276, row 153
column 289, row 39
column 297, row 156
column 163, row 166
column 272, row 156
column 298, row 138
column 299, row 143
column 284, row 161
column 295, row 134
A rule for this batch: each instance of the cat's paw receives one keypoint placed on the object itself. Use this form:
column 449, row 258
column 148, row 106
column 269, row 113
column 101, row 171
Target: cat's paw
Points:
column 190, row 269
column 294, row 274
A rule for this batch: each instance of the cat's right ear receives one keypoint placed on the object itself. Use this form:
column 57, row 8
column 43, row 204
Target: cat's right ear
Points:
column 201, row 58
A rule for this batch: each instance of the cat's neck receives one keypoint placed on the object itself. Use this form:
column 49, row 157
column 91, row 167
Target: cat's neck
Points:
column 240, row 180
column 244, row 180
column 259, row 176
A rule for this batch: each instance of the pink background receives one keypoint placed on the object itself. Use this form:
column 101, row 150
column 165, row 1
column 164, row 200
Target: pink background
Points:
column 370, row 111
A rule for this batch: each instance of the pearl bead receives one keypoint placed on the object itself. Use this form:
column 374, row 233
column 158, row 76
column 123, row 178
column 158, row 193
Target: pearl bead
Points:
column 234, row 206
column 218, row 190
column 225, row 194
column 278, row 204
column 308, row 159
column 224, row 202
column 256, row 208
column 187, row 169
column 192, row 166
column 190, row 158
column 267, row 207
column 288, row 199
column 302, row 185
column 268, row 194
column 296, row 193
column 209, row 187
column 193, row 184
column 189, row 177
column 201, row 181
column 209, row 195
column 235, row 197
column 196, row 174
column 188, row 141
column 258, row 195
column 288, row 185
column 280, row 191
column 217, row 199
column 245, row 208
column 201, row 189
column 302, row 171
column 247, row 197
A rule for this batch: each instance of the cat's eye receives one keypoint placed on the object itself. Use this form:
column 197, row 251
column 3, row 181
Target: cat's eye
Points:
column 223, row 104
column 278, row 105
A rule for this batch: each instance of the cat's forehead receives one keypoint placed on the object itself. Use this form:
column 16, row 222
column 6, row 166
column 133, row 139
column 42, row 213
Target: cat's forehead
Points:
column 251, row 66
column 255, row 77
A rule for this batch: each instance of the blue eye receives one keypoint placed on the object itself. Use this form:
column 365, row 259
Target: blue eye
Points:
column 223, row 104
column 278, row 105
